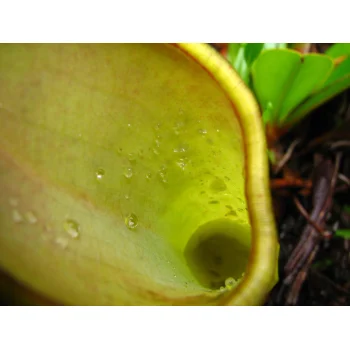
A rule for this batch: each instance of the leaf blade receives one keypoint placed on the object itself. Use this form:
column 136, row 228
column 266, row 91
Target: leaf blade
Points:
column 272, row 73
column 314, row 71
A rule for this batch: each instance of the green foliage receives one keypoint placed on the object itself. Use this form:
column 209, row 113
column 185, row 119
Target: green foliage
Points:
column 289, row 85
column 343, row 234
column 338, row 81
column 285, row 78
column 243, row 55
column 323, row 264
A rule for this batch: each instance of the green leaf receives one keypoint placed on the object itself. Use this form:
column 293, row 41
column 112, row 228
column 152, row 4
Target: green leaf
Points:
column 317, row 100
column 242, row 56
column 273, row 73
column 237, row 59
column 272, row 156
column 339, row 72
column 344, row 233
column 322, row 264
column 285, row 78
column 338, row 50
column 269, row 46
column 314, row 71
column 232, row 51
column 338, row 81
column 267, row 113
column 252, row 52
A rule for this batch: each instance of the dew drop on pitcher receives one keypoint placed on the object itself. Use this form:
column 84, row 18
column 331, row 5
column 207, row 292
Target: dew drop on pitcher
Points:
column 162, row 174
column 16, row 216
column 100, row 173
column 128, row 173
column 30, row 217
column 72, row 228
column 230, row 282
column 62, row 242
column 131, row 221
column 181, row 149
column 132, row 157
column 181, row 163
column 218, row 185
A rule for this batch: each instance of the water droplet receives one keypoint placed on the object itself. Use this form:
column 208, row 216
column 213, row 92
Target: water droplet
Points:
column 72, row 228
column 174, row 276
column 158, row 126
column 182, row 162
column 231, row 213
column 131, row 157
column 100, row 174
column 240, row 200
column 163, row 177
column 129, row 125
column 177, row 127
column 128, row 173
column 30, row 217
column 148, row 176
column 230, row 282
column 13, row 202
column 16, row 216
column 127, row 196
column 155, row 151
column 131, row 221
column 218, row 185
column 217, row 130
column 62, row 242
column 162, row 174
column 181, row 149
column 202, row 131
column 157, row 142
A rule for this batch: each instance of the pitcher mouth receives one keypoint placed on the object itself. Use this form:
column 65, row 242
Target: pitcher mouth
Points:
column 261, row 272
column 215, row 256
